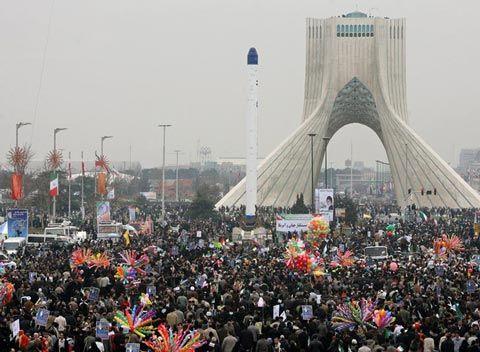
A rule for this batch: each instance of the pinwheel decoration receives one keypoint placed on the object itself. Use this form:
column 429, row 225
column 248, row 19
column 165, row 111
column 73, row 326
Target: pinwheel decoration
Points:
column 383, row 318
column 136, row 320
column 19, row 157
column 80, row 257
column 354, row 314
column 54, row 159
column 99, row 260
column 131, row 259
column 125, row 273
column 169, row 341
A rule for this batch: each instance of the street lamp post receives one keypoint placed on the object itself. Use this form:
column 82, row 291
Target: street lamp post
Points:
column 54, row 205
column 325, row 140
column 176, row 178
column 101, row 143
column 18, row 126
column 311, row 135
column 164, row 126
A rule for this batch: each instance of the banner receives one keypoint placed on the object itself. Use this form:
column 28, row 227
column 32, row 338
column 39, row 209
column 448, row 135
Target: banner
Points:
column 101, row 329
column 292, row 222
column 103, row 212
column 132, row 213
column 324, row 202
column 16, row 186
column 17, row 222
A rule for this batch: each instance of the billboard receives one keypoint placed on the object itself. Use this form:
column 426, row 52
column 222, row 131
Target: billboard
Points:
column 324, row 202
column 292, row 222
column 103, row 212
column 17, row 222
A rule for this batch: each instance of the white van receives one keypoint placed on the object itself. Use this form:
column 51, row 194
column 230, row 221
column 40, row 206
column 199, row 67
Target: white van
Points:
column 60, row 233
column 14, row 245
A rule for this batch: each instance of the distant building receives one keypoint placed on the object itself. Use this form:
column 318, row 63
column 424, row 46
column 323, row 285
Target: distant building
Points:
column 467, row 159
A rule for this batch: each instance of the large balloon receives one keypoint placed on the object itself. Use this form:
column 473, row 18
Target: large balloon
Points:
column 393, row 266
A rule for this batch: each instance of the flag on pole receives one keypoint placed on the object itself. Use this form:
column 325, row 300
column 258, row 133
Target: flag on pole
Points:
column 102, row 183
column 53, row 184
column 69, row 170
column 16, row 186
column 83, row 168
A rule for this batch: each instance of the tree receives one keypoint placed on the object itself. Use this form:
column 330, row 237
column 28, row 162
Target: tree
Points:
column 351, row 208
column 299, row 207
column 203, row 205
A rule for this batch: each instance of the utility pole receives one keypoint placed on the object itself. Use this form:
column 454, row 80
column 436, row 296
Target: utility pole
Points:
column 82, row 206
column 325, row 140
column 164, row 126
column 351, row 169
column 54, row 204
column 177, row 199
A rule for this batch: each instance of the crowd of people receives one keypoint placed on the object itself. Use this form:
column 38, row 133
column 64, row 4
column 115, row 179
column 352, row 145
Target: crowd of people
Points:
column 242, row 297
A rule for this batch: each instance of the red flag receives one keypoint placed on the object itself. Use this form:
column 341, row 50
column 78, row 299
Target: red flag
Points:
column 16, row 186
column 83, row 168
column 102, row 183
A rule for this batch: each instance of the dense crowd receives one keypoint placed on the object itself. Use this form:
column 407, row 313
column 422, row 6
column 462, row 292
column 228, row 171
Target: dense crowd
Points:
column 230, row 292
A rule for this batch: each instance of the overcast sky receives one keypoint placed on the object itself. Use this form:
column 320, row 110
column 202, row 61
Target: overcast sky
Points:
column 121, row 67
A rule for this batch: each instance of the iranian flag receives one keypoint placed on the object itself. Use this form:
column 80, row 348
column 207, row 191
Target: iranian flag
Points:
column 54, row 184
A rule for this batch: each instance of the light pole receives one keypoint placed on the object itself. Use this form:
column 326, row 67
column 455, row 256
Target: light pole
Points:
column 101, row 143
column 55, row 131
column 325, row 140
column 164, row 126
column 311, row 135
column 176, row 178
column 18, row 126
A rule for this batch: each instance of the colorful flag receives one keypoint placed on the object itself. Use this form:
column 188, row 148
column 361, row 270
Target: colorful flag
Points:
column 16, row 186
column 83, row 168
column 53, row 184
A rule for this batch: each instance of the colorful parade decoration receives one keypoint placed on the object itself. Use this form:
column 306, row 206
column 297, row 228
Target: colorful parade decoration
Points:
column 343, row 259
column 54, row 159
column 447, row 245
column 383, row 318
column 6, row 292
column 99, row 260
column 318, row 230
column 131, row 259
column 354, row 314
column 390, row 229
column 169, row 341
column 125, row 273
column 136, row 320
column 80, row 257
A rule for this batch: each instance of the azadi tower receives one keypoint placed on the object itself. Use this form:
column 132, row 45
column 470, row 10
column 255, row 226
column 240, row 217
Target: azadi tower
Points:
column 355, row 73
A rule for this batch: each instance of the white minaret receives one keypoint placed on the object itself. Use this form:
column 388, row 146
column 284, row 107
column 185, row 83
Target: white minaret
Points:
column 252, row 113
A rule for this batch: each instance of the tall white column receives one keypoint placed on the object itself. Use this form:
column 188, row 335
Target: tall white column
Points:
column 251, row 124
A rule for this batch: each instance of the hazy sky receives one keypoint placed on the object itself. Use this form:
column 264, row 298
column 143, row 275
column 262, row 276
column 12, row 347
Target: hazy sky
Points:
column 121, row 67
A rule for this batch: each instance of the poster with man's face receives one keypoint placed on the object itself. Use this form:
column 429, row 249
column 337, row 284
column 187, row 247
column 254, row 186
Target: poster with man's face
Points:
column 324, row 202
